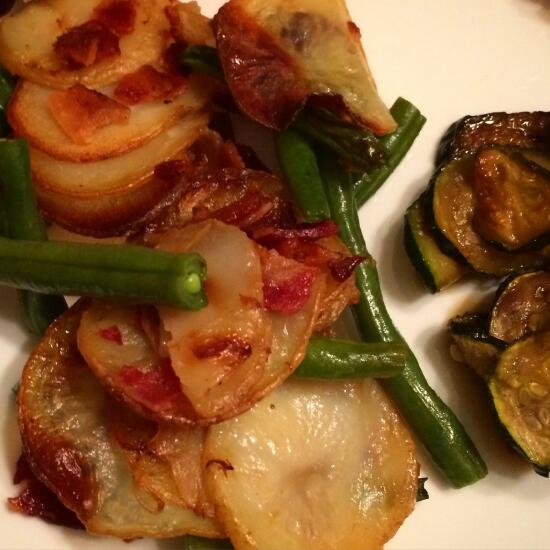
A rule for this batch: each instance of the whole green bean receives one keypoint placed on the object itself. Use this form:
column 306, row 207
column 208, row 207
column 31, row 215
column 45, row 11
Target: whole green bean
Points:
column 410, row 121
column 433, row 422
column 132, row 273
column 299, row 164
column 22, row 220
column 333, row 358
column 7, row 85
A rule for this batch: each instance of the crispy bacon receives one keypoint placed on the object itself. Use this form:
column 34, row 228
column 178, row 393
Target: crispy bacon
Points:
column 343, row 269
column 287, row 284
column 147, row 84
column 81, row 112
column 271, row 236
column 112, row 334
column 308, row 252
column 86, row 45
column 117, row 15
column 263, row 78
column 159, row 389
column 36, row 500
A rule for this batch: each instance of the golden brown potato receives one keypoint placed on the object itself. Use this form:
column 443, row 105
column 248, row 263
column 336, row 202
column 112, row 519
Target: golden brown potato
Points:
column 32, row 55
column 31, row 118
column 63, row 418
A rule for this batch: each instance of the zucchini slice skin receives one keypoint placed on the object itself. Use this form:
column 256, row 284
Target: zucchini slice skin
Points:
column 512, row 200
column 473, row 345
column 520, row 389
column 522, row 130
column 453, row 208
column 437, row 269
column 522, row 306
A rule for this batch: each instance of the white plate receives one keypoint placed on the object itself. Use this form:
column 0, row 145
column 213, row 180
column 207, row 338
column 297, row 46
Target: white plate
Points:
column 450, row 57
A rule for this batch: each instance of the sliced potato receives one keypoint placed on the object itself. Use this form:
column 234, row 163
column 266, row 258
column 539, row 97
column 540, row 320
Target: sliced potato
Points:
column 64, row 427
column 113, row 175
column 276, row 54
column 219, row 352
column 324, row 465
column 27, row 40
column 112, row 339
column 166, row 460
column 102, row 215
column 31, row 118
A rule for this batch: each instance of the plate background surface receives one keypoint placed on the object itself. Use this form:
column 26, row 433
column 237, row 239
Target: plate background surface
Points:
column 450, row 58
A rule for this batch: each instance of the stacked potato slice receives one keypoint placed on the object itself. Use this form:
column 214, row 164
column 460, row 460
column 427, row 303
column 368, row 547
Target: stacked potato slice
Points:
column 100, row 105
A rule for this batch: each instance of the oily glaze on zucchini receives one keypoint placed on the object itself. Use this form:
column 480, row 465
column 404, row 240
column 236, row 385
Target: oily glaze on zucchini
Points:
column 520, row 388
column 454, row 209
column 467, row 135
column 437, row 270
column 473, row 345
column 522, row 307
column 512, row 199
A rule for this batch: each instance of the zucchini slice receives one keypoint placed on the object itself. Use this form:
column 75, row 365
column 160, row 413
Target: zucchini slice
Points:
column 467, row 135
column 437, row 270
column 522, row 307
column 473, row 345
column 512, row 199
column 520, row 389
column 454, row 208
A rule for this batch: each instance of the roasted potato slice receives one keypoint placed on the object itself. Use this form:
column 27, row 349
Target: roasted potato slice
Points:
column 63, row 418
column 315, row 465
column 30, row 117
column 27, row 39
column 276, row 54
column 103, row 215
column 113, row 340
column 124, row 172
column 220, row 352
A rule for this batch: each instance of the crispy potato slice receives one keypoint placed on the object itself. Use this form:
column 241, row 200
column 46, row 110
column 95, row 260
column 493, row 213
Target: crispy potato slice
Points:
column 113, row 340
column 103, row 215
column 64, row 428
column 220, row 352
column 113, row 175
column 315, row 465
column 30, row 117
column 27, row 40
column 276, row 54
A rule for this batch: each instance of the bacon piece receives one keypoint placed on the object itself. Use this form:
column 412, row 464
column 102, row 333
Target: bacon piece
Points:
column 36, row 500
column 271, row 236
column 147, row 85
column 264, row 79
column 287, row 284
column 343, row 269
column 86, row 45
column 80, row 112
column 117, row 15
column 308, row 252
column 112, row 334
column 159, row 389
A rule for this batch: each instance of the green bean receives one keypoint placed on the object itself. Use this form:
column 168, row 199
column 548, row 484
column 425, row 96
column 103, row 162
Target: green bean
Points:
column 203, row 59
column 132, row 273
column 332, row 358
column 22, row 220
column 299, row 165
column 410, row 121
column 198, row 543
column 7, row 85
column 433, row 422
